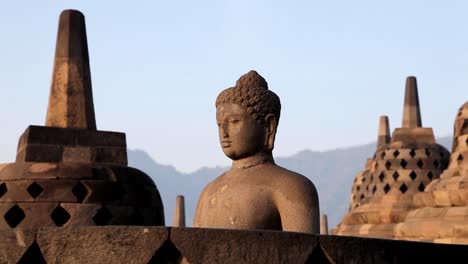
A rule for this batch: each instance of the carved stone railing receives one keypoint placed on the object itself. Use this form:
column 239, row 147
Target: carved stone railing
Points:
column 131, row 244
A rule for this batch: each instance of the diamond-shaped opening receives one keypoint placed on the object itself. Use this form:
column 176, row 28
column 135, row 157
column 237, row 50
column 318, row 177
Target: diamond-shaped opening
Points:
column 382, row 155
column 403, row 163
column 60, row 216
column 102, row 217
column 428, row 152
column 355, row 180
column 430, row 175
column 363, row 179
column 412, row 153
column 32, row 255
column 460, row 157
column 34, row 190
column 436, row 163
column 396, row 153
column 362, row 197
column 386, row 188
column 413, row 175
column 374, row 189
column 420, row 164
column 371, row 178
column 421, row 187
column 80, row 192
column 367, row 188
column 395, row 175
column 3, row 189
column 381, row 177
column 167, row 253
column 356, row 206
column 14, row 216
column 403, row 188
column 358, row 188
column 388, row 165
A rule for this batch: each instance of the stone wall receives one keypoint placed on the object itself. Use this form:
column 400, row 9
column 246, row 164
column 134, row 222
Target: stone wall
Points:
column 129, row 244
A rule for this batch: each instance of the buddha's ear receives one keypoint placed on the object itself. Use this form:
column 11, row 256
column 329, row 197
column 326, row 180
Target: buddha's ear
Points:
column 271, row 123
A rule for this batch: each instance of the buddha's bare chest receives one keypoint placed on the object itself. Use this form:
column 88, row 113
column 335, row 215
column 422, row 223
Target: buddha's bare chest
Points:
column 240, row 205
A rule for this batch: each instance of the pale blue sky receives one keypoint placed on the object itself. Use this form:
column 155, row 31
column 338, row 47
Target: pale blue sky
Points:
column 157, row 67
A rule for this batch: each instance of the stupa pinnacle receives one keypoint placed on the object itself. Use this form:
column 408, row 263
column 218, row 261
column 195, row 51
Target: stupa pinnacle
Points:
column 71, row 97
column 383, row 138
column 411, row 112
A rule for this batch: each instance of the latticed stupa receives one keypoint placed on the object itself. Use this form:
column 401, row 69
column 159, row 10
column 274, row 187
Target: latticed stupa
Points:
column 360, row 189
column 403, row 168
column 442, row 214
column 67, row 173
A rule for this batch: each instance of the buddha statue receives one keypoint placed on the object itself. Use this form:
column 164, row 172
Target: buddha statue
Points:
column 255, row 193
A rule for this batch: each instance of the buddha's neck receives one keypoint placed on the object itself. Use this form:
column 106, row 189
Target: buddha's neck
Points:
column 254, row 160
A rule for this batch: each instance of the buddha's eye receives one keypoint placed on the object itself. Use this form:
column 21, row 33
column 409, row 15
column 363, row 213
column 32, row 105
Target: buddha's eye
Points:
column 234, row 121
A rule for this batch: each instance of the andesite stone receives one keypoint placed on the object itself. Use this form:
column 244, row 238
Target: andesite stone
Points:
column 68, row 173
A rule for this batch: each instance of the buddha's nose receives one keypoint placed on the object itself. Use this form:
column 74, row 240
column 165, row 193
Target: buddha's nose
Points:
column 224, row 130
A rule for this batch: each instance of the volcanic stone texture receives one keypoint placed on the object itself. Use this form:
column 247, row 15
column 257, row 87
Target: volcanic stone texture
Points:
column 135, row 245
column 442, row 214
column 67, row 173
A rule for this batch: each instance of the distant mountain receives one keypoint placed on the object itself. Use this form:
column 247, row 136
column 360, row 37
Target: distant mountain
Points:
column 331, row 171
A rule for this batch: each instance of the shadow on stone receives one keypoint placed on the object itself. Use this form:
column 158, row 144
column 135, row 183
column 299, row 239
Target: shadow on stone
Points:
column 166, row 254
column 318, row 256
column 33, row 255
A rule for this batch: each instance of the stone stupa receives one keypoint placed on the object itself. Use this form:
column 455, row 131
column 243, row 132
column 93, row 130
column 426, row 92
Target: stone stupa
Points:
column 442, row 214
column 68, row 173
column 403, row 168
column 360, row 190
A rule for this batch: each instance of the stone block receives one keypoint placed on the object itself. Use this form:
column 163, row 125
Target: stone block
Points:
column 417, row 135
column 123, row 244
column 14, row 243
column 78, row 154
column 199, row 245
column 40, row 153
column 70, row 137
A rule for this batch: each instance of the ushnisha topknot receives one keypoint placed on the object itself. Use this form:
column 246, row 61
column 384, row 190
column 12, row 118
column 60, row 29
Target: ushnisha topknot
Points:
column 251, row 92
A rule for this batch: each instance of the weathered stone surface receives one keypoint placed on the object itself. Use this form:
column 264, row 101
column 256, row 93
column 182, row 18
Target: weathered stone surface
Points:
column 14, row 243
column 71, row 98
column 101, row 244
column 364, row 250
column 441, row 212
column 401, row 170
column 255, row 193
column 70, row 137
column 124, row 244
column 179, row 212
column 199, row 245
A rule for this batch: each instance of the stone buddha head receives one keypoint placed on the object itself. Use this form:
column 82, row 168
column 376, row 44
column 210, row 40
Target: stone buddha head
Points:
column 247, row 116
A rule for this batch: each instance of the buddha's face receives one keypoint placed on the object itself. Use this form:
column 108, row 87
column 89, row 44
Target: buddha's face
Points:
column 240, row 135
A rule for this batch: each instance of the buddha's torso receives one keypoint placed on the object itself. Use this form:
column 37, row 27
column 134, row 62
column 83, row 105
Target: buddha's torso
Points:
column 241, row 199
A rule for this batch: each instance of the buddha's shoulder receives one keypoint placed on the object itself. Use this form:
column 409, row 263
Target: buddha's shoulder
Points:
column 215, row 184
column 283, row 178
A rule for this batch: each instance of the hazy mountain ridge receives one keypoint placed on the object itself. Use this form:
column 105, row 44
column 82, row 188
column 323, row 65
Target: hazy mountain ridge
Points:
column 331, row 171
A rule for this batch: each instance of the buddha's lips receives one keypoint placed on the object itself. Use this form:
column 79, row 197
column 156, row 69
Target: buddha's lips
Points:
column 225, row 144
